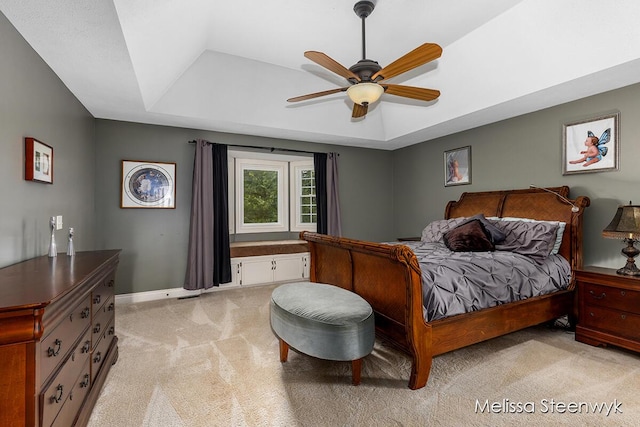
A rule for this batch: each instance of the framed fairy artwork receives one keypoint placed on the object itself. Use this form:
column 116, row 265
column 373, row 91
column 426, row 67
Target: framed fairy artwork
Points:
column 591, row 145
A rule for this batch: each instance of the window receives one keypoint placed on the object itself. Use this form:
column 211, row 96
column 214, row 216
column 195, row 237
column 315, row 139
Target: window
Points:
column 304, row 214
column 272, row 193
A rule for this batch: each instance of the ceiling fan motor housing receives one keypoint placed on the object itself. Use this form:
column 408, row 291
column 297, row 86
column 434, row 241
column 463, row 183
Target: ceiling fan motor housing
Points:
column 365, row 68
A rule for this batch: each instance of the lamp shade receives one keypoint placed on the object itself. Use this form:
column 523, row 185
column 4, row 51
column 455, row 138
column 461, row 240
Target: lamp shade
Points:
column 625, row 224
column 365, row 93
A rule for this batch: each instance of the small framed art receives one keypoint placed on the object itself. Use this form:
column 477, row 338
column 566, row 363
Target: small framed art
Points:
column 148, row 185
column 591, row 145
column 457, row 166
column 38, row 164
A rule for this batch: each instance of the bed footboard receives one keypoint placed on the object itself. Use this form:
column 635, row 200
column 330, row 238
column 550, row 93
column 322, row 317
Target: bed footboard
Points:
column 389, row 278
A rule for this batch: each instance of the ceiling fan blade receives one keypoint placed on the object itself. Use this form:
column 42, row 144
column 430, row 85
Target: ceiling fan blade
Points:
column 411, row 92
column 331, row 65
column 317, row 94
column 359, row 110
column 418, row 56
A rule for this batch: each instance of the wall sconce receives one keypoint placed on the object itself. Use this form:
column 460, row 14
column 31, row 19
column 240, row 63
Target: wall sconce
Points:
column 626, row 225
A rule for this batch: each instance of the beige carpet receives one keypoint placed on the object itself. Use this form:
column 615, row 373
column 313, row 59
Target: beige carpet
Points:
column 213, row 361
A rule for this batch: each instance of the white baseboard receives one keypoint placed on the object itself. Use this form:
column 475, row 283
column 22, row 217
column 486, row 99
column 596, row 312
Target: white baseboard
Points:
column 171, row 293
column 174, row 293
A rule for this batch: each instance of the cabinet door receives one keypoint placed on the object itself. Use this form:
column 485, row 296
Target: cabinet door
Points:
column 236, row 273
column 288, row 267
column 306, row 267
column 257, row 270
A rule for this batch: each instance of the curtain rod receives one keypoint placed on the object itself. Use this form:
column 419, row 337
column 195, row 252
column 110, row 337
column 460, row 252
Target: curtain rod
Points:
column 272, row 149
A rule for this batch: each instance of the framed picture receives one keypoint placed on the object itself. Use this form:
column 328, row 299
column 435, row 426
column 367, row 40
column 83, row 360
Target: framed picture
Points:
column 457, row 166
column 148, row 185
column 38, row 158
column 591, row 145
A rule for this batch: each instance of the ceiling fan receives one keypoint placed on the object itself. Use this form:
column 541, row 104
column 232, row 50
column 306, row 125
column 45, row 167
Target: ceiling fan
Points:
column 368, row 79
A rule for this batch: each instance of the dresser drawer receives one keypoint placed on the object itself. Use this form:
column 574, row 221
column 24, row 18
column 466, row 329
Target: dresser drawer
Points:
column 620, row 323
column 56, row 345
column 102, row 292
column 81, row 387
column 615, row 298
column 100, row 352
column 56, row 392
column 103, row 317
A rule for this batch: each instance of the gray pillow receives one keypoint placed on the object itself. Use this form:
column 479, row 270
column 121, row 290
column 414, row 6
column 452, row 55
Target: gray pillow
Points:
column 534, row 239
column 434, row 231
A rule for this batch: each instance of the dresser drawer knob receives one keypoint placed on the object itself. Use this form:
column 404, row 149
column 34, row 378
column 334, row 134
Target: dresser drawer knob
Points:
column 86, row 347
column 623, row 293
column 97, row 358
column 111, row 307
column 85, row 313
column 96, row 328
column 110, row 284
column 56, row 398
column 53, row 352
column 623, row 316
column 96, row 299
column 85, row 381
column 112, row 330
column 593, row 294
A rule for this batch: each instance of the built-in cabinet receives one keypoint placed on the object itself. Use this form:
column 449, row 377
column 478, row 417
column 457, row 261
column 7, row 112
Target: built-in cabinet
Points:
column 266, row 269
column 57, row 337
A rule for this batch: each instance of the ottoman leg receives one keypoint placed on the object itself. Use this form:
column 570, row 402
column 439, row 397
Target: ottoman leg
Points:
column 356, row 366
column 284, row 350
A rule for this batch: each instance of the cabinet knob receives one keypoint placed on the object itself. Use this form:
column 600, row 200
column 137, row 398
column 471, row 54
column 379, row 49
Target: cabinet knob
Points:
column 56, row 398
column 85, row 381
column 53, row 352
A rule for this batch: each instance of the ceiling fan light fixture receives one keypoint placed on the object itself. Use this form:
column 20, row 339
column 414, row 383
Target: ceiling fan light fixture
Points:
column 365, row 93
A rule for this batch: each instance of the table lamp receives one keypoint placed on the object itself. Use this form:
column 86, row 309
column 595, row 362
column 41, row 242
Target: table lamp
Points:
column 626, row 225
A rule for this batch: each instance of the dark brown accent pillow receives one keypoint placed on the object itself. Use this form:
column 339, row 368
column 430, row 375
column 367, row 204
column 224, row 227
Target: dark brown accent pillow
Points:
column 468, row 237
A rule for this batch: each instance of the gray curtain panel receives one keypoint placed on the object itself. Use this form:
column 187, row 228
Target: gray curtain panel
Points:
column 208, row 260
column 320, row 169
column 334, row 223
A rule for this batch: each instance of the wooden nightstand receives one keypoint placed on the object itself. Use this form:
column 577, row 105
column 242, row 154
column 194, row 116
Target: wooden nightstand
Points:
column 608, row 308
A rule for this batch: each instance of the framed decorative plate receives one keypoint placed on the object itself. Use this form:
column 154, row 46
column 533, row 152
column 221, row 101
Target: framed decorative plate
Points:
column 148, row 185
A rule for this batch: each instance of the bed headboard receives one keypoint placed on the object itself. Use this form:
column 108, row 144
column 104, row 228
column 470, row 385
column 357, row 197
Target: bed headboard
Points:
column 534, row 203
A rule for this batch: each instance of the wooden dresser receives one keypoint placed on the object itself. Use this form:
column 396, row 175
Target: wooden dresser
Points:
column 609, row 308
column 57, row 337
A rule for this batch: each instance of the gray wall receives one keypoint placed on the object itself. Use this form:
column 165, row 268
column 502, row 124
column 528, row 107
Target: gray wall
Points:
column 522, row 151
column 154, row 241
column 384, row 194
column 35, row 103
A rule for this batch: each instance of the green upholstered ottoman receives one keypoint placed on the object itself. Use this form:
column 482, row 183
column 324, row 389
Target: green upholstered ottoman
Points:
column 323, row 321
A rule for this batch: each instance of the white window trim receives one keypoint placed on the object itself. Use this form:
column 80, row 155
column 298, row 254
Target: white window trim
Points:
column 295, row 169
column 282, row 224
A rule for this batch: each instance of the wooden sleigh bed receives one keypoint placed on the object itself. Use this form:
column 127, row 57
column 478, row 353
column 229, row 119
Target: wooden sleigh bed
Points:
column 389, row 278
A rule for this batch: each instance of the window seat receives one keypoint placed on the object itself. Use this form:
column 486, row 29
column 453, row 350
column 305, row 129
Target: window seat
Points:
column 272, row 247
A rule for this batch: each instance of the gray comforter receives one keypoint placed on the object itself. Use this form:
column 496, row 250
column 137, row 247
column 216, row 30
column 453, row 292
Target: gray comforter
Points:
column 459, row 282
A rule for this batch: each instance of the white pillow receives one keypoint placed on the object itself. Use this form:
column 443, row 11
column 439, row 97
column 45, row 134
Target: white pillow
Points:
column 559, row 233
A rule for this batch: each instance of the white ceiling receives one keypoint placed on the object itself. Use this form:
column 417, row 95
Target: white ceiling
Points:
column 230, row 65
